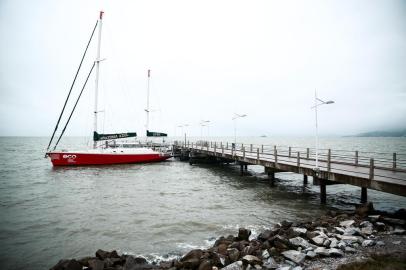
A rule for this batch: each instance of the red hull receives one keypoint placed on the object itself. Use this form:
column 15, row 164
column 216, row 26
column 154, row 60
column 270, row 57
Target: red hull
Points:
column 75, row 159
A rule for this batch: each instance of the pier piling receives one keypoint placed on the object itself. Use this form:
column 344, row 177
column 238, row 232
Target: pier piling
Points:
column 322, row 183
column 364, row 194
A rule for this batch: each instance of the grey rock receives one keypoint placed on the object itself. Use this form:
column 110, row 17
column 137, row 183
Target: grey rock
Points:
column 318, row 240
column 335, row 252
column 265, row 254
column 348, row 238
column 367, row 230
column 339, row 230
column 297, row 268
column 399, row 231
column 322, row 234
column 243, row 234
column 309, row 249
column 270, row 264
column 311, row 254
column 396, row 242
column 97, row 264
column 233, row 254
column 334, row 243
column 365, row 224
column 374, row 218
column 368, row 243
column 342, row 245
column 351, row 231
column 350, row 250
column 102, row 254
column 299, row 242
column 380, row 226
column 67, row 265
column 322, row 251
column 290, row 263
column 327, row 243
column 321, row 229
column 298, row 231
column 285, row 268
column 294, row 255
column 250, row 259
column 347, row 223
column 205, row 265
column 286, row 224
column 395, row 221
column 233, row 266
column 192, row 258
column 380, row 243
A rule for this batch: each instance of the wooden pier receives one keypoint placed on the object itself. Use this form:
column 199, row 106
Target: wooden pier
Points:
column 384, row 172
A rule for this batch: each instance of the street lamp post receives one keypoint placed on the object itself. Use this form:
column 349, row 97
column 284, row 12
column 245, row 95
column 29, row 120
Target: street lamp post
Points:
column 318, row 102
column 203, row 123
column 235, row 117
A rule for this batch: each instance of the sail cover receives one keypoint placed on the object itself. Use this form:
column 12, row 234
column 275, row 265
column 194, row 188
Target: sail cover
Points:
column 101, row 137
column 156, row 134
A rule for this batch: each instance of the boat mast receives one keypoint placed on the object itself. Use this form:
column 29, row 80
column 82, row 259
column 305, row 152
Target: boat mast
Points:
column 147, row 109
column 97, row 76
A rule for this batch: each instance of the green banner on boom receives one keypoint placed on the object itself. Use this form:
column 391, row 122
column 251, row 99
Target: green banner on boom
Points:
column 101, row 137
column 156, row 134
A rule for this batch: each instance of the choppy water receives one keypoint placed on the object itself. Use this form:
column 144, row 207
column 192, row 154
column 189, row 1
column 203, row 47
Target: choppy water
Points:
column 158, row 209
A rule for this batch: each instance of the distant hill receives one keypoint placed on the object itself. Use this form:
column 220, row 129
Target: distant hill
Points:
column 397, row 133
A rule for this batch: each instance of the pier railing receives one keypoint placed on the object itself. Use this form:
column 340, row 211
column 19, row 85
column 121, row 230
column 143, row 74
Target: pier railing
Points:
column 307, row 156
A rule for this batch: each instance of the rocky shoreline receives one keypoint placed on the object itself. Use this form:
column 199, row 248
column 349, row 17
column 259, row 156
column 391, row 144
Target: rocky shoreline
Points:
column 327, row 242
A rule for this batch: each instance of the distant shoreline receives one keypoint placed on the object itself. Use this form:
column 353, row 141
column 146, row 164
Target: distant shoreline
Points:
column 377, row 134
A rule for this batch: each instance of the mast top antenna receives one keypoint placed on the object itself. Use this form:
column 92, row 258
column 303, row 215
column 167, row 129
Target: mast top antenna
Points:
column 101, row 14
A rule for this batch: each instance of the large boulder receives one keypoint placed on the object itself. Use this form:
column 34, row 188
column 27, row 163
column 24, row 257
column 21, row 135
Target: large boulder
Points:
column 347, row 223
column 270, row 264
column 233, row 254
column 96, row 264
column 136, row 263
column 296, row 231
column 67, row 265
column 234, row 266
column 294, row 255
column 318, row 240
column 299, row 242
column 252, row 260
column 335, row 252
column 206, row 265
column 368, row 243
column 364, row 209
column 192, row 259
column 243, row 234
column 286, row 224
column 102, row 254
column 322, row 251
column 265, row 235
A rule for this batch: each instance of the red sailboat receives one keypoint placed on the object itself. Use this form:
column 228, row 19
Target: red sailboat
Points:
column 101, row 154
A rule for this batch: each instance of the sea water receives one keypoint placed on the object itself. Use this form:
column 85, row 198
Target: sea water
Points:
column 155, row 210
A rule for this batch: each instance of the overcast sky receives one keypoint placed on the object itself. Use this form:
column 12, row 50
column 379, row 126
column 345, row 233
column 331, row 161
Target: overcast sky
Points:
column 208, row 60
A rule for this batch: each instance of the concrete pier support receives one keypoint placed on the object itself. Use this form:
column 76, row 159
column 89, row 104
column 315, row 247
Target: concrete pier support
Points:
column 304, row 179
column 323, row 194
column 271, row 176
column 364, row 194
column 246, row 168
column 241, row 169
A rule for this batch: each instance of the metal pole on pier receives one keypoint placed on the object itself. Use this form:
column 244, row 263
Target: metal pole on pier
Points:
column 236, row 116
column 318, row 102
